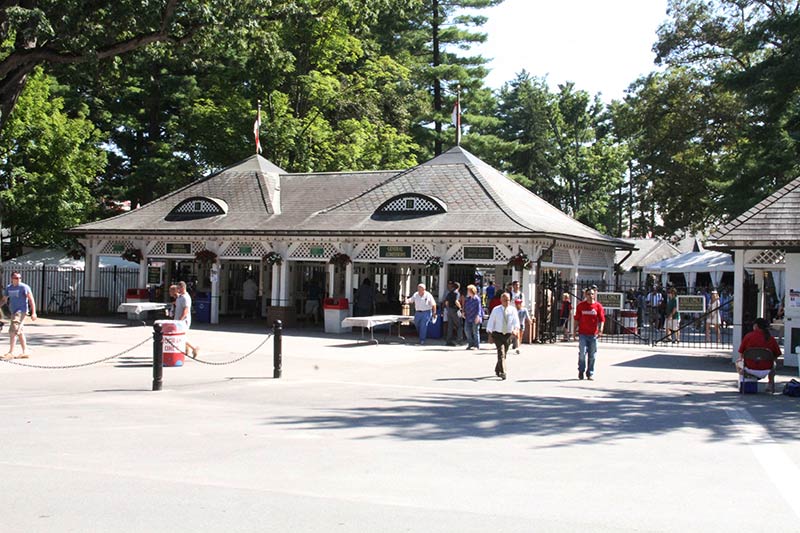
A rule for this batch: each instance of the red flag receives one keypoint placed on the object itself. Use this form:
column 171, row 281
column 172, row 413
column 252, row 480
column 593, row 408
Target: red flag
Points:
column 256, row 128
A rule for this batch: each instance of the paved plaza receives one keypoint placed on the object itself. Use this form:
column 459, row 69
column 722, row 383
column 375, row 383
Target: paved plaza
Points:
column 393, row 437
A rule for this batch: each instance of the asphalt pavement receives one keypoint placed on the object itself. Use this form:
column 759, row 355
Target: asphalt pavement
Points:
column 390, row 437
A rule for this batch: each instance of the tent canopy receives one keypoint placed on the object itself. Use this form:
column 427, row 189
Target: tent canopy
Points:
column 59, row 258
column 705, row 261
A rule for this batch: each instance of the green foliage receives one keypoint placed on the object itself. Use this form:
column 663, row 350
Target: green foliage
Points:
column 48, row 163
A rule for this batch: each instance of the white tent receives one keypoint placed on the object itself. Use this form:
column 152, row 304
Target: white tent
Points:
column 58, row 257
column 690, row 263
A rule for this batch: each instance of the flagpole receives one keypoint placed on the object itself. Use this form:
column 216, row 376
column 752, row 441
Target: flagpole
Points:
column 258, row 128
column 458, row 115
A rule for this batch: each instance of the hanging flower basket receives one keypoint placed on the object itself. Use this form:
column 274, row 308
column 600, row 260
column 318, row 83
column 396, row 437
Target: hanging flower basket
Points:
column 434, row 263
column 78, row 252
column 272, row 258
column 340, row 260
column 134, row 255
column 205, row 256
column 521, row 261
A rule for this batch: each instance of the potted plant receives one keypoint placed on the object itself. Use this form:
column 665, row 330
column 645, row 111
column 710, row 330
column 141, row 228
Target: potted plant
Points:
column 272, row 258
column 134, row 255
column 205, row 256
column 434, row 263
column 340, row 259
column 520, row 261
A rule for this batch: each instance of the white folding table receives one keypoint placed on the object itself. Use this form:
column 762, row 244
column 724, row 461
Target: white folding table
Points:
column 370, row 322
column 136, row 309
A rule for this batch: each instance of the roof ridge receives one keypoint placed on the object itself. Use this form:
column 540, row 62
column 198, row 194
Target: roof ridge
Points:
column 756, row 209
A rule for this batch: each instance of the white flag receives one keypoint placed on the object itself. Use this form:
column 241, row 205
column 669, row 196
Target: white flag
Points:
column 256, row 128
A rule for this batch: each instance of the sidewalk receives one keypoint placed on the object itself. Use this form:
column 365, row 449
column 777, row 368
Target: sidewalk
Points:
column 358, row 437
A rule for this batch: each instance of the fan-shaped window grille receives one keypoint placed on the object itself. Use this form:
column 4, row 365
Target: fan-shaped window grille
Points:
column 198, row 207
column 411, row 204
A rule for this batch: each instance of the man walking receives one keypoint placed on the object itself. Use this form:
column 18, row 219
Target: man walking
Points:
column 589, row 320
column 20, row 301
column 424, row 307
column 452, row 305
column 183, row 315
column 503, row 324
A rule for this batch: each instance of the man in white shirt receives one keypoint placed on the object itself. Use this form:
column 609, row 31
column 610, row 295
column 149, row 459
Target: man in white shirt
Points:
column 424, row 308
column 250, row 297
column 503, row 324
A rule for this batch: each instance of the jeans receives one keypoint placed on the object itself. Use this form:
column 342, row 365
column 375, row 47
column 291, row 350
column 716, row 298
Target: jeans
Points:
column 453, row 324
column 473, row 334
column 421, row 321
column 586, row 344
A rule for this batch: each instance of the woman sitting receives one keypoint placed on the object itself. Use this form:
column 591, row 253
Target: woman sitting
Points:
column 760, row 337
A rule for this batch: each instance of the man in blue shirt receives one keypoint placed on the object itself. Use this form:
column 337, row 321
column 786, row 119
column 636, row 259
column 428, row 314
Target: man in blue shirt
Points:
column 20, row 301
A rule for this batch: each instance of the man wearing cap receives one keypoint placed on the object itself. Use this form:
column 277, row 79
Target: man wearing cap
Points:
column 20, row 301
column 424, row 308
column 589, row 320
column 503, row 325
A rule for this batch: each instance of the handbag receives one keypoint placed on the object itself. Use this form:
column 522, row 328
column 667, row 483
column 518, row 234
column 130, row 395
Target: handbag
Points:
column 792, row 388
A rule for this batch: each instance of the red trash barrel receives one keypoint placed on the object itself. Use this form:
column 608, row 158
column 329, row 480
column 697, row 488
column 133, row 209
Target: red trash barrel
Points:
column 629, row 321
column 174, row 343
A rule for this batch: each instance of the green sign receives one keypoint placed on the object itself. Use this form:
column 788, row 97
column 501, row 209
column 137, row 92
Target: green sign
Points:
column 691, row 304
column 245, row 250
column 117, row 248
column 610, row 300
column 395, row 252
column 153, row 275
column 479, row 252
column 183, row 248
column 317, row 251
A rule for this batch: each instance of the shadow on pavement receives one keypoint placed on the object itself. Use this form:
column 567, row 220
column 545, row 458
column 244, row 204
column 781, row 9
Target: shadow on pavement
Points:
column 618, row 415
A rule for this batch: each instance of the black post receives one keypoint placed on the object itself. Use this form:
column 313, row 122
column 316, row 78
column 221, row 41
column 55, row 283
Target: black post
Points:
column 158, row 356
column 277, row 356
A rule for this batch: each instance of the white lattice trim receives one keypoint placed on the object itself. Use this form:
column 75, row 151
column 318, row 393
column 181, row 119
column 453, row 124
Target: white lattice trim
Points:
column 322, row 251
column 116, row 247
column 769, row 257
column 239, row 249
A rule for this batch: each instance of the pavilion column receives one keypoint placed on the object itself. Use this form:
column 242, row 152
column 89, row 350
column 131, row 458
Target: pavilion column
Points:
column 348, row 285
column 283, row 296
column 331, row 281
column 444, row 274
column 738, row 304
column 575, row 255
column 759, row 276
column 276, row 284
column 143, row 272
column 215, row 270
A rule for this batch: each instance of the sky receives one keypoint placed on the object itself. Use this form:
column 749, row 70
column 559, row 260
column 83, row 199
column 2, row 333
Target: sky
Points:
column 601, row 45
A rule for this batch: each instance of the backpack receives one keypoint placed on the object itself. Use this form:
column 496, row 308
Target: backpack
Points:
column 792, row 388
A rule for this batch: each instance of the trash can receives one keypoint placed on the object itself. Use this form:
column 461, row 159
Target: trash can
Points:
column 202, row 307
column 336, row 310
column 629, row 322
column 435, row 328
column 174, row 343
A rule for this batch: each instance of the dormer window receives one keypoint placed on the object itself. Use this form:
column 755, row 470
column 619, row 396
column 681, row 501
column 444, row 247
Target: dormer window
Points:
column 198, row 207
column 411, row 205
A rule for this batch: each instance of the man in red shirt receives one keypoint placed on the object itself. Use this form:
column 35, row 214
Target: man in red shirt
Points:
column 589, row 320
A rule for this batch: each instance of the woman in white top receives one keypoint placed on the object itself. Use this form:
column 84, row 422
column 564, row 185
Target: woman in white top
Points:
column 713, row 319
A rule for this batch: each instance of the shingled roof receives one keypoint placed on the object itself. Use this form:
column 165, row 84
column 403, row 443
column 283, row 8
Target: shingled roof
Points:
column 262, row 198
column 772, row 223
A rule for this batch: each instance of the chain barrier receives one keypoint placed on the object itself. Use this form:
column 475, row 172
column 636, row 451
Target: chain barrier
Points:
column 220, row 363
column 78, row 365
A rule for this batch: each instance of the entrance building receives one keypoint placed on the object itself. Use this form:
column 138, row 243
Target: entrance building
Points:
column 303, row 237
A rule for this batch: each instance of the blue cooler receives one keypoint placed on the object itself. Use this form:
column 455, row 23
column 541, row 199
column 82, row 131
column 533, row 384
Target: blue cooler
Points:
column 202, row 307
column 435, row 330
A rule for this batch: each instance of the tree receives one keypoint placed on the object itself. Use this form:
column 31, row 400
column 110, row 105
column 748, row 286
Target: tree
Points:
column 48, row 164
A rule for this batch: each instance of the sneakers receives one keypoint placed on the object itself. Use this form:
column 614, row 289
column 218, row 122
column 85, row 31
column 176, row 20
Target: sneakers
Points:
column 589, row 377
column 580, row 375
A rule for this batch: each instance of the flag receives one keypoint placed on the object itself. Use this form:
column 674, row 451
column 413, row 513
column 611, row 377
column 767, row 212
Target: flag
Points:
column 256, row 128
column 457, row 119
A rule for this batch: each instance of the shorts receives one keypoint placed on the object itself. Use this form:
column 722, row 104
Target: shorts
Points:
column 673, row 324
column 312, row 307
column 17, row 323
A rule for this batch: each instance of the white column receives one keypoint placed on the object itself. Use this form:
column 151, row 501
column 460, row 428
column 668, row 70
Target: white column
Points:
column 331, row 281
column 443, row 278
column 95, row 263
column 791, row 313
column 283, row 296
column 738, row 296
column 215, row 274
column 348, row 285
column 142, row 272
column 761, row 302
column 276, row 285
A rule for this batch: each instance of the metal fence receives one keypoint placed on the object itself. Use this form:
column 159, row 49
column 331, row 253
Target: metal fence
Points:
column 59, row 290
column 640, row 322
